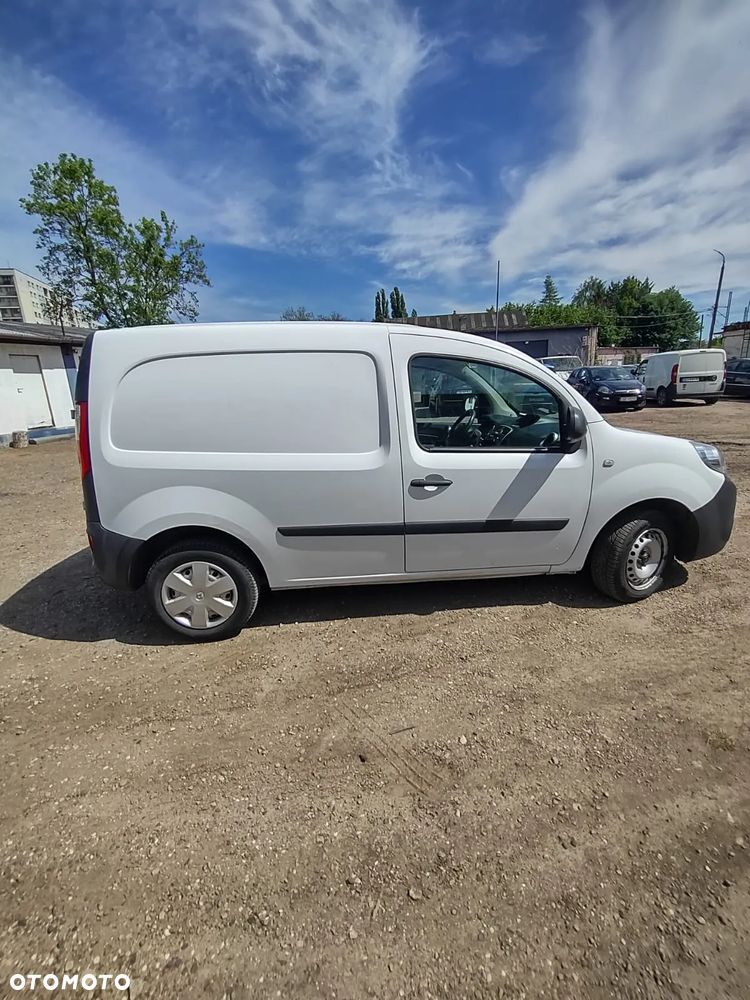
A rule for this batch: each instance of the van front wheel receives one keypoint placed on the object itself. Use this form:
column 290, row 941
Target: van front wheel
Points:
column 631, row 557
column 204, row 592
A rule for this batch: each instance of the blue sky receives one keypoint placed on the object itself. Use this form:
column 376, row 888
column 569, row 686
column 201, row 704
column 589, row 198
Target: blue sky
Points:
column 324, row 148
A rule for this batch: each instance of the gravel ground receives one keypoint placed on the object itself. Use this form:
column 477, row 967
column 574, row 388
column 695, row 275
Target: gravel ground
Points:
column 495, row 789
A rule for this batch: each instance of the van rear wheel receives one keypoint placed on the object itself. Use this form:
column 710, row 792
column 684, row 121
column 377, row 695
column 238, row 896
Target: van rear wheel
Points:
column 202, row 590
column 632, row 556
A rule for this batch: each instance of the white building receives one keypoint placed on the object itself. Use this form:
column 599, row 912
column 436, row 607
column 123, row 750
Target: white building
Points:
column 24, row 299
column 38, row 366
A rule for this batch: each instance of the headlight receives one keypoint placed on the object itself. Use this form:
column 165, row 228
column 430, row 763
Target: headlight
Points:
column 604, row 390
column 710, row 455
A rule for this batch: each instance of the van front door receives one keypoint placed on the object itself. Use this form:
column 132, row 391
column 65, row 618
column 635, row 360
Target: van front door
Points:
column 486, row 484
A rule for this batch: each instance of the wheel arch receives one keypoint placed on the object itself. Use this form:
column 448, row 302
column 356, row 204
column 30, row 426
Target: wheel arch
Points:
column 153, row 547
column 686, row 527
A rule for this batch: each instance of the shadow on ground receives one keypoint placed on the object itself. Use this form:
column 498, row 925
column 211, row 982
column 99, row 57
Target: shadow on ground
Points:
column 69, row 602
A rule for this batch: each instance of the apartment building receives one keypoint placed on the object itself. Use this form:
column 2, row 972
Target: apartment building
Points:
column 24, row 299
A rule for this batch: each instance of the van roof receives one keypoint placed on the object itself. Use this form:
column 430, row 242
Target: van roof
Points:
column 376, row 328
column 691, row 350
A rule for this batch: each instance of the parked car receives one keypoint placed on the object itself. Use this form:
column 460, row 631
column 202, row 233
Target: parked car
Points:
column 675, row 375
column 563, row 364
column 218, row 461
column 738, row 376
column 606, row 386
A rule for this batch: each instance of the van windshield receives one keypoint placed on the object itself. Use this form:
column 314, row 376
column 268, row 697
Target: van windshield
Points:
column 566, row 363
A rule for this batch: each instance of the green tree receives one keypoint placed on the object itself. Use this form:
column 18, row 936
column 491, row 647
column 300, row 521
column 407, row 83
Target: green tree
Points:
column 301, row 314
column 551, row 295
column 296, row 314
column 115, row 272
column 414, row 314
column 630, row 296
column 626, row 311
column 398, row 304
column 668, row 320
column 592, row 292
column 381, row 307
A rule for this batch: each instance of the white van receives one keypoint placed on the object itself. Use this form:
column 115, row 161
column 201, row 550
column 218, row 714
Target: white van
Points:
column 674, row 375
column 218, row 460
column 563, row 364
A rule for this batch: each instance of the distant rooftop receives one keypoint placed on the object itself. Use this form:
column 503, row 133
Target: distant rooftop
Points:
column 17, row 270
column 41, row 333
column 508, row 319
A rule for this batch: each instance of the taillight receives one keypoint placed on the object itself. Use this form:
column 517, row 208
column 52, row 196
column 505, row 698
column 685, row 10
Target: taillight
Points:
column 82, row 433
column 675, row 369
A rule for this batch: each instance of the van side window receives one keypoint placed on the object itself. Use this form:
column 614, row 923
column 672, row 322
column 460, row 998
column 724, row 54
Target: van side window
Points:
column 461, row 404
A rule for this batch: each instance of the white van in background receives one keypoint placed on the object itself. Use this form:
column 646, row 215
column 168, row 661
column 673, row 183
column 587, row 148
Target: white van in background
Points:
column 562, row 364
column 674, row 375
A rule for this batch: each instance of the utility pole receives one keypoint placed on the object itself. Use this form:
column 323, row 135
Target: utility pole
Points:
column 716, row 301
column 747, row 313
column 497, row 301
column 729, row 309
column 700, row 332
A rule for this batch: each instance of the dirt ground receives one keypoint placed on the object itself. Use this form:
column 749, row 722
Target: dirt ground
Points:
column 498, row 789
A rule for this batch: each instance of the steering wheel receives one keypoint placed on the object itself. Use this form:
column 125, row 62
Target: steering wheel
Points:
column 496, row 436
column 470, row 414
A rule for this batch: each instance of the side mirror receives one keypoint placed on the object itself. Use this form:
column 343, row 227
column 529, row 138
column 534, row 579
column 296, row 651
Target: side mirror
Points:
column 574, row 428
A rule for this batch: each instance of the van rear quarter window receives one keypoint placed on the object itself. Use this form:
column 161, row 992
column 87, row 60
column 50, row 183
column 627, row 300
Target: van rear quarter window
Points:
column 275, row 403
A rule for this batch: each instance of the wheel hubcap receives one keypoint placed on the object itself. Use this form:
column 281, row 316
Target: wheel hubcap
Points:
column 646, row 558
column 199, row 595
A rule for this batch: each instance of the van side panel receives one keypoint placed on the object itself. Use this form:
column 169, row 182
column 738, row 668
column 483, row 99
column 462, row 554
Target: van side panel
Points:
column 245, row 429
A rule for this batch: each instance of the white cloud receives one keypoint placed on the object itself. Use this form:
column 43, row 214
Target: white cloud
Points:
column 510, row 49
column 657, row 171
column 41, row 119
column 331, row 79
column 339, row 70
column 338, row 75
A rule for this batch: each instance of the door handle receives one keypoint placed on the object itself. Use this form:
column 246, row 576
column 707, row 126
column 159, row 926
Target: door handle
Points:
column 435, row 481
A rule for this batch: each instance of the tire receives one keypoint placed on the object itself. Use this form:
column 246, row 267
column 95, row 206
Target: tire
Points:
column 710, row 402
column 662, row 398
column 617, row 561
column 217, row 617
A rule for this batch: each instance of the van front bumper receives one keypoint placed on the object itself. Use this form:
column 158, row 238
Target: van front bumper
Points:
column 115, row 556
column 713, row 523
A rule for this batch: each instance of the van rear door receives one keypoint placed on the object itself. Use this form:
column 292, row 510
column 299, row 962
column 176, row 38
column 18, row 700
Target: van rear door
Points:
column 700, row 373
column 486, row 485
